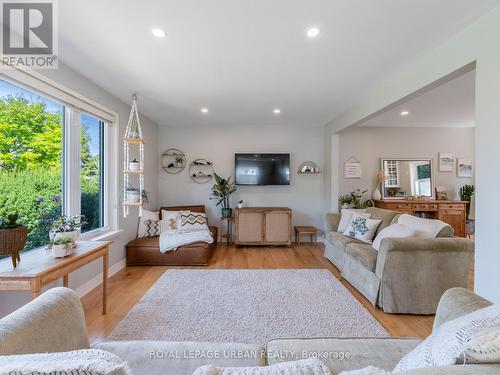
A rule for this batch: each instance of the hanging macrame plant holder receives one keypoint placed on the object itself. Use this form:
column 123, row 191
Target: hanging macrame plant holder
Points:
column 133, row 196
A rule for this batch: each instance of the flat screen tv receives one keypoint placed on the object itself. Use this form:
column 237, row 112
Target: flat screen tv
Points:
column 262, row 169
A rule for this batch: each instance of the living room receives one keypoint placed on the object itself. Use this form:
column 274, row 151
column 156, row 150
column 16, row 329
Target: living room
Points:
column 214, row 156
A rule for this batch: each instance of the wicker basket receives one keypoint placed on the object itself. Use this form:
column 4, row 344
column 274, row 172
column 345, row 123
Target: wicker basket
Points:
column 13, row 240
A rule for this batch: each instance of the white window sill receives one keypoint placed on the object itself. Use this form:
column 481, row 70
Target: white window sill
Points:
column 102, row 235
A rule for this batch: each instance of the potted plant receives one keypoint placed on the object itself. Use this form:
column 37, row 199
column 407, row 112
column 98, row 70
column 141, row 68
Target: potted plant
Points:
column 345, row 201
column 133, row 195
column 134, row 165
column 67, row 226
column 61, row 246
column 179, row 161
column 221, row 191
column 13, row 237
column 466, row 192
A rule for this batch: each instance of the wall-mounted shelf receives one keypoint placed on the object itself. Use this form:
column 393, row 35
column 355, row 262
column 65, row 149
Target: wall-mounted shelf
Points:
column 308, row 167
column 201, row 171
column 173, row 161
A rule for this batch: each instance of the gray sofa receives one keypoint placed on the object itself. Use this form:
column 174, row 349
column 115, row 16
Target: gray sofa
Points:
column 407, row 275
column 55, row 322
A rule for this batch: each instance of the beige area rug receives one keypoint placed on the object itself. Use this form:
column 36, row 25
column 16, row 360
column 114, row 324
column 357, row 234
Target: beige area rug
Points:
column 247, row 306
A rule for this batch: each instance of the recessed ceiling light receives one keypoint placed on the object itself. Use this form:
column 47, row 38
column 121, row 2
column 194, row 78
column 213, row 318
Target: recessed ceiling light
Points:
column 313, row 32
column 159, row 33
column 276, row 111
column 405, row 113
column 204, row 110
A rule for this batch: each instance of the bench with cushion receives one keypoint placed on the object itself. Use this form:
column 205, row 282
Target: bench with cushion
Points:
column 145, row 251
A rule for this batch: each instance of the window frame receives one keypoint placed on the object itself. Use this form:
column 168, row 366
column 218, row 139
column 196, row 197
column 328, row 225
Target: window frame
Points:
column 73, row 105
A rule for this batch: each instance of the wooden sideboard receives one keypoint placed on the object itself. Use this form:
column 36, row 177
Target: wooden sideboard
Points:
column 451, row 212
column 263, row 226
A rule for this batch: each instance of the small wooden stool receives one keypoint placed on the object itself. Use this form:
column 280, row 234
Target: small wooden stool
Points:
column 309, row 229
column 229, row 229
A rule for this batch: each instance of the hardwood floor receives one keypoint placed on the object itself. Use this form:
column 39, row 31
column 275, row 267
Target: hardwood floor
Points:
column 126, row 287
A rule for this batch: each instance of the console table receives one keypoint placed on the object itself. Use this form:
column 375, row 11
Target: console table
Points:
column 451, row 212
column 263, row 226
column 37, row 268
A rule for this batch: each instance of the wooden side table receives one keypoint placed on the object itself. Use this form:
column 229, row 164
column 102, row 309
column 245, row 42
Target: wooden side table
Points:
column 300, row 230
column 228, row 234
column 37, row 268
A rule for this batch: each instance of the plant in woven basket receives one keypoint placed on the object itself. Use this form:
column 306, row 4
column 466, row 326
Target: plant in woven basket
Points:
column 13, row 237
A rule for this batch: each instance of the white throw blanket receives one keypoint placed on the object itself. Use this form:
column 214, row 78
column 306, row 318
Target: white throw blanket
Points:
column 170, row 240
column 422, row 227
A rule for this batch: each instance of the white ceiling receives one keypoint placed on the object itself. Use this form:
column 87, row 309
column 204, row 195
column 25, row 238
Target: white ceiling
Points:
column 451, row 104
column 242, row 58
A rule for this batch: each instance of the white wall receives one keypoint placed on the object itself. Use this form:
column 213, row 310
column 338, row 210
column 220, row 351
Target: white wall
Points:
column 477, row 43
column 303, row 196
column 369, row 144
column 74, row 81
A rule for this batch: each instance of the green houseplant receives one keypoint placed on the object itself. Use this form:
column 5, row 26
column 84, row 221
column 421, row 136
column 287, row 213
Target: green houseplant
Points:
column 13, row 237
column 67, row 226
column 61, row 246
column 466, row 192
column 221, row 191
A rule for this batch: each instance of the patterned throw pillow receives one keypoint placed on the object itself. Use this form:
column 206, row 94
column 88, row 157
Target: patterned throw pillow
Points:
column 472, row 338
column 146, row 215
column 194, row 221
column 172, row 219
column 153, row 228
column 362, row 228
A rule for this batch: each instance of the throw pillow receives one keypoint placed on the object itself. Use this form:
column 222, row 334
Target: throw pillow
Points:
column 346, row 216
column 146, row 215
column 194, row 221
column 153, row 228
column 392, row 231
column 78, row 362
column 422, row 227
column 370, row 370
column 472, row 338
column 172, row 219
column 311, row 366
column 362, row 228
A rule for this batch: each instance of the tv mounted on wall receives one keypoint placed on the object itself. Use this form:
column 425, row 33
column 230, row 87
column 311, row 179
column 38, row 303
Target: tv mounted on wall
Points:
column 262, row 169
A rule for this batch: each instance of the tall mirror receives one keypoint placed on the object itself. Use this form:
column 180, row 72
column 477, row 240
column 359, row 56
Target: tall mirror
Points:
column 407, row 177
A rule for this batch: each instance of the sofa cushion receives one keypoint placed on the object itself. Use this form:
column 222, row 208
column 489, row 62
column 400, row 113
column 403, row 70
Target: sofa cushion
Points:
column 339, row 240
column 380, row 214
column 364, row 254
column 154, row 242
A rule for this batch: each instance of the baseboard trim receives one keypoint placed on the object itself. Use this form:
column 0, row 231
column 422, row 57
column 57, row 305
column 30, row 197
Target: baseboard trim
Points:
column 97, row 280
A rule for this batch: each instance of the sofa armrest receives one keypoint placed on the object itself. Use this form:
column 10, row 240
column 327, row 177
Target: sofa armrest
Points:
column 53, row 322
column 332, row 222
column 457, row 302
column 214, row 231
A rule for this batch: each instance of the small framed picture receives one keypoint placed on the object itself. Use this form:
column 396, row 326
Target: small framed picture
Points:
column 464, row 167
column 352, row 169
column 446, row 162
column 441, row 193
